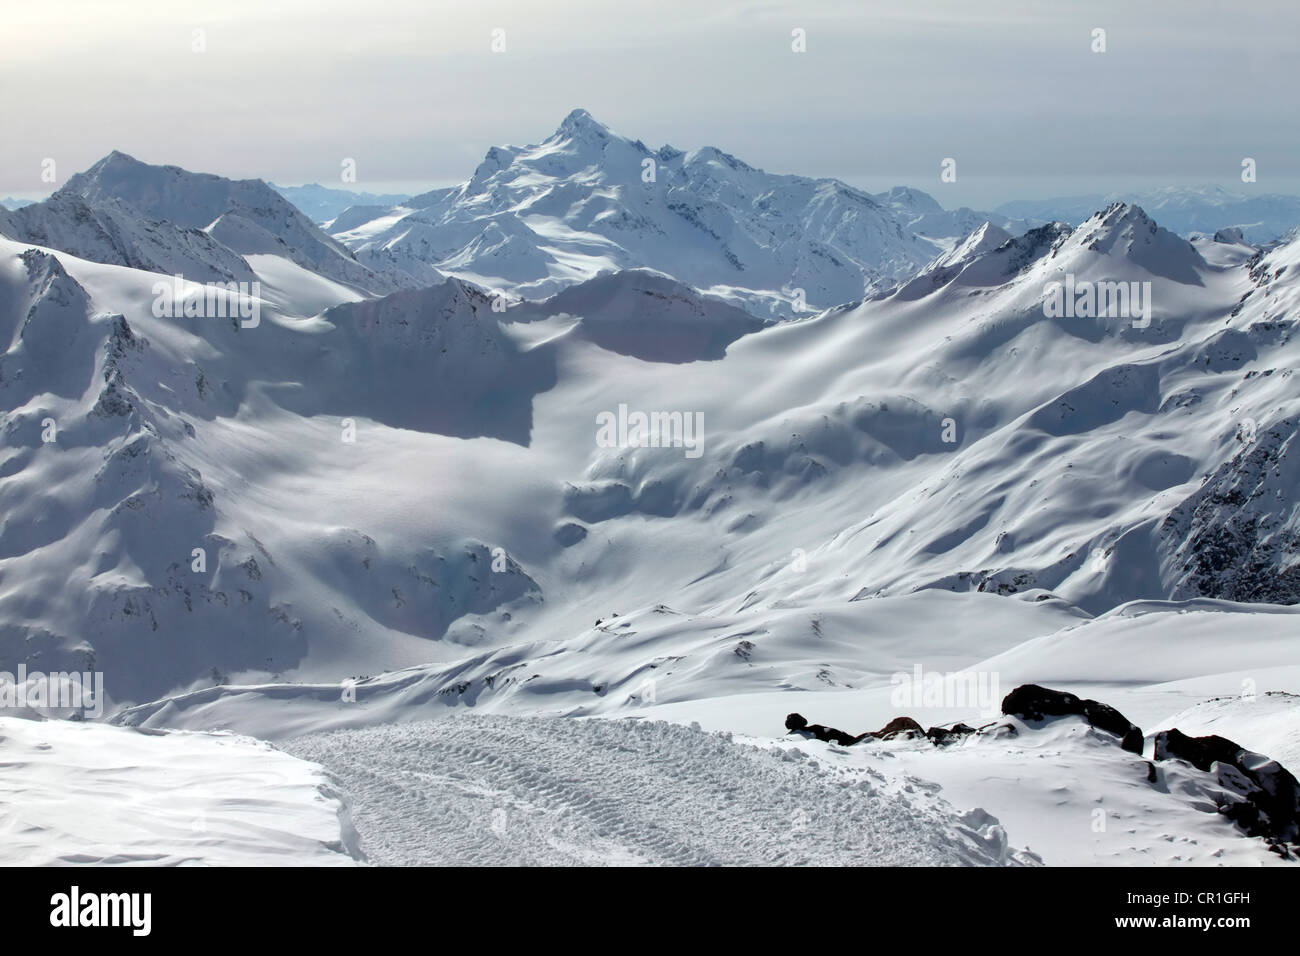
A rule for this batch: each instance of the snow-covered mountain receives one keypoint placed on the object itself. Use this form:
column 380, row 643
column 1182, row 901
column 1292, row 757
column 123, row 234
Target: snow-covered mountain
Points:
column 108, row 231
column 1185, row 210
column 165, row 219
column 920, row 213
column 534, row 219
column 1096, row 460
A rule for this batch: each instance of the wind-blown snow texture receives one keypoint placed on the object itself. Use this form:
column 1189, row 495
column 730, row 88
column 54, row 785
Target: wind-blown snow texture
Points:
column 401, row 504
column 490, row 790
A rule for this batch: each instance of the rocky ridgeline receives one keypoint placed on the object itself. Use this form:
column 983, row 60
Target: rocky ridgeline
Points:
column 1234, row 538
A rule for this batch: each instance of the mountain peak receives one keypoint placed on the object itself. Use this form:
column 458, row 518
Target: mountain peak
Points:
column 909, row 198
column 984, row 238
column 581, row 123
column 1126, row 212
column 711, row 154
column 1124, row 230
column 1119, row 219
column 115, row 160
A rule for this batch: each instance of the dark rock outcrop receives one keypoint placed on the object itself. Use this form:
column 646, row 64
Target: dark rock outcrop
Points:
column 1200, row 752
column 1233, row 538
column 798, row 724
column 1031, row 702
column 897, row 727
column 1258, row 794
column 947, row 735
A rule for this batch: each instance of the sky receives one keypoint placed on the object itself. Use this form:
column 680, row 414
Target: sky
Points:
column 414, row 94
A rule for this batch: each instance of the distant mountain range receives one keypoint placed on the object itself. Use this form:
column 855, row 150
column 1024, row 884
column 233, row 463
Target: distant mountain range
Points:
column 322, row 203
column 535, row 219
column 1181, row 209
column 586, row 200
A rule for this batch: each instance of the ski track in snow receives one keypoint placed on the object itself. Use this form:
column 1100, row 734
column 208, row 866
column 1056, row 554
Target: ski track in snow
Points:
column 511, row 791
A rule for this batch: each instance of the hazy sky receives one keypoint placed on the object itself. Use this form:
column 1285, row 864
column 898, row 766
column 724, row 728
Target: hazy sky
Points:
column 412, row 91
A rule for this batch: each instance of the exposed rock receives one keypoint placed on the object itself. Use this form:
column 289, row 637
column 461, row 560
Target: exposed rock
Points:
column 1031, row 702
column 1200, row 752
column 798, row 724
column 1233, row 538
column 897, row 727
column 1258, row 794
column 947, row 735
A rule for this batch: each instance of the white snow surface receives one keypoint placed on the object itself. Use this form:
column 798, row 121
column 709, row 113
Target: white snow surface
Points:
column 1071, row 796
column 487, row 790
column 84, row 793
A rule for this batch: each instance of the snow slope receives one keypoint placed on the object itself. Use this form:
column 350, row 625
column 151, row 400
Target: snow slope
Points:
column 836, row 665
column 656, row 660
column 81, row 793
column 1269, row 720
